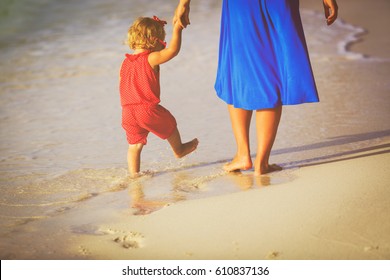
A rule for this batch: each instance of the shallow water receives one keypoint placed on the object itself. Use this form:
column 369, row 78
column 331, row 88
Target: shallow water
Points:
column 61, row 138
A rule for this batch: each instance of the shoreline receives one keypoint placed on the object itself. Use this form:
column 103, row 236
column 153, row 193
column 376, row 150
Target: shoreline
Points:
column 286, row 221
column 369, row 15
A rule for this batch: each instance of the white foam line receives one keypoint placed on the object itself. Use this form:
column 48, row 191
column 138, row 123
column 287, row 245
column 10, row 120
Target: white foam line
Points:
column 354, row 36
column 343, row 47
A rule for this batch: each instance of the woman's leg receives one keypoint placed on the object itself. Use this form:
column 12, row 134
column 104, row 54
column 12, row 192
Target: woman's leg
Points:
column 267, row 122
column 240, row 120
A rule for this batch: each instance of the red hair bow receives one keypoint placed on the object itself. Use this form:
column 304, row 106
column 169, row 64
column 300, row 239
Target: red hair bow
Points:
column 162, row 22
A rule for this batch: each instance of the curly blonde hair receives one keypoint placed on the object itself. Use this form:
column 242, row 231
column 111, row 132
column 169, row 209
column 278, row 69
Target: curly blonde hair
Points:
column 144, row 33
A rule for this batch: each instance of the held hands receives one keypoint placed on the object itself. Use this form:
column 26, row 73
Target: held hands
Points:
column 182, row 13
column 331, row 10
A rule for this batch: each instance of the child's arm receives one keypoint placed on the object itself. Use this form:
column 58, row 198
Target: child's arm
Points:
column 160, row 57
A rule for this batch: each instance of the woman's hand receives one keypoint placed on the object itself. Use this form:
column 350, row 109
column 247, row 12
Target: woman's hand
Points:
column 182, row 13
column 331, row 10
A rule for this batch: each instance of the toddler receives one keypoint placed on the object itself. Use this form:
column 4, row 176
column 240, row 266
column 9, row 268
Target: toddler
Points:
column 140, row 90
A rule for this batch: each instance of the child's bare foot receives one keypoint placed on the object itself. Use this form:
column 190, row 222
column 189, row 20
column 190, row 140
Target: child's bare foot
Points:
column 187, row 148
column 267, row 169
column 237, row 163
column 134, row 175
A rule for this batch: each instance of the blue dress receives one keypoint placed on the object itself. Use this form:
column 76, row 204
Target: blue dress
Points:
column 263, row 58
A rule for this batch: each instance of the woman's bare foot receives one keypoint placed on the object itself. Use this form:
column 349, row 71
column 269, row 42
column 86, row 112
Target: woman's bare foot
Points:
column 237, row 163
column 187, row 148
column 267, row 169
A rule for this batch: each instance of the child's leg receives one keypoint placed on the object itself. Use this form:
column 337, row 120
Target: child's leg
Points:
column 267, row 122
column 134, row 158
column 181, row 149
column 240, row 120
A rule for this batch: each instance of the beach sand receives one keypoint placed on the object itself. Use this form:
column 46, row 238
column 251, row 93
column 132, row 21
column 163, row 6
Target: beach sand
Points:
column 331, row 201
column 322, row 214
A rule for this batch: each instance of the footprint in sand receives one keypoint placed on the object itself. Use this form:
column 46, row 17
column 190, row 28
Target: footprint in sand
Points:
column 84, row 251
column 128, row 240
column 134, row 240
column 273, row 255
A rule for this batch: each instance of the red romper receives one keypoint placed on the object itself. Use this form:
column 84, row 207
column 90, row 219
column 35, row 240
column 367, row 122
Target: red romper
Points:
column 140, row 97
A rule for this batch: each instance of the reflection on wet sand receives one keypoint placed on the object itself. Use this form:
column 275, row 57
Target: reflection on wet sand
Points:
column 143, row 205
column 146, row 197
column 247, row 181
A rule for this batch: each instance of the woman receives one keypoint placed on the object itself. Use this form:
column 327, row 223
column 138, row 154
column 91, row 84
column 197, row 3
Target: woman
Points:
column 263, row 65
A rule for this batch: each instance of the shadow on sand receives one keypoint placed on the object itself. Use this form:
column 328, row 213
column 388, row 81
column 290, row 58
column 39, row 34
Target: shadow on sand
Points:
column 333, row 142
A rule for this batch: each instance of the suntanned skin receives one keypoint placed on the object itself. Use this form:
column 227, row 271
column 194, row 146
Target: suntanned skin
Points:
column 160, row 55
column 267, row 121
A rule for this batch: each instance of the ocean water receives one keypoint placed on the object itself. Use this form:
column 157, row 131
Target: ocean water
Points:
column 61, row 139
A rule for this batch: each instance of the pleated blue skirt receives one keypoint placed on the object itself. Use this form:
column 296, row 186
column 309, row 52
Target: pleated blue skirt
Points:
column 263, row 58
